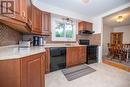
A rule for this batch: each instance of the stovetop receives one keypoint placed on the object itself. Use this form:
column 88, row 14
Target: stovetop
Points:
column 86, row 42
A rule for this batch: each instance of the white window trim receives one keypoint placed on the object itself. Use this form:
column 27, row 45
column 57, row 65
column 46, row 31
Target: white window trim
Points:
column 53, row 24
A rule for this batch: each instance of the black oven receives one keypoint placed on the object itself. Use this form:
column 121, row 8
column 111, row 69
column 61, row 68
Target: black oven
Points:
column 91, row 51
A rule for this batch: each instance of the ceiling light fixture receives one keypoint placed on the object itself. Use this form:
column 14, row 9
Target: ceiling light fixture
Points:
column 68, row 20
column 120, row 19
column 85, row 1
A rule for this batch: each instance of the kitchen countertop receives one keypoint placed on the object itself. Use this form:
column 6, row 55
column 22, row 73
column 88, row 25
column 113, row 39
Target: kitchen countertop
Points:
column 16, row 52
column 62, row 45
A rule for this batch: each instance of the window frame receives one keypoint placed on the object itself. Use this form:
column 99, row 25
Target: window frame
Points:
column 53, row 25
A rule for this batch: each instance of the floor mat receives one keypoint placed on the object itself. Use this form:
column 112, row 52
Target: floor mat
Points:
column 77, row 72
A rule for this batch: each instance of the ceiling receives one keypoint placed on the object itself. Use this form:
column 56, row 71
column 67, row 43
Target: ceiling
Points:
column 111, row 19
column 91, row 9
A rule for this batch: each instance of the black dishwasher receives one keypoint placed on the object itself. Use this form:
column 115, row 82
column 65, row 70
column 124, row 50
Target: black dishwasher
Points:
column 57, row 58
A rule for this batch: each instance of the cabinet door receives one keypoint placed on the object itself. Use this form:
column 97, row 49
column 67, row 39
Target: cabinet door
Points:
column 69, row 57
column 10, row 73
column 14, row 9
column 82, row 26
column 47, row 61
column 23, row 10
column 29, row 13
column 120, row 38
column 75, row 56
column 117, row 38
column 26, row 11
column 89, row 26
column 37, row 20
column 46, row 23
column 72, row 56
column 33, row 71
column 82, row 55
column 85, row 26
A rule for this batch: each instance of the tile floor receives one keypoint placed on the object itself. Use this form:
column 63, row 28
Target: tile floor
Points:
column 105, row 76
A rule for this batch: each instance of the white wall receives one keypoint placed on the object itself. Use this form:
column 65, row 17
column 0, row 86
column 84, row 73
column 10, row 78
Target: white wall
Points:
column 106, row 38
column 126, row 33
column 98, row 25
column 59, row 11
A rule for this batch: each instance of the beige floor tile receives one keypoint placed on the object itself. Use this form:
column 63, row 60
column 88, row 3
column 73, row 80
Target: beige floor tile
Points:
column 105, row 76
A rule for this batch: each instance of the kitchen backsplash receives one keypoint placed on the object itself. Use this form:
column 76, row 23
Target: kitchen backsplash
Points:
column 9, row 36
column 46, row 38
column 95, row 39
column 49, row 40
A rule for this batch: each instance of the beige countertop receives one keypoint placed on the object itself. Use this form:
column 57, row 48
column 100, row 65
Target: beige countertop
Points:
column 15, row 52
column 62, row 45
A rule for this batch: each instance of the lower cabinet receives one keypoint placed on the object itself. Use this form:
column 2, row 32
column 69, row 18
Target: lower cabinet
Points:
column 82, row 55
column 32, row 69
column 25, row 72
column 10, row 73
column 47, row 61
column 75, row 56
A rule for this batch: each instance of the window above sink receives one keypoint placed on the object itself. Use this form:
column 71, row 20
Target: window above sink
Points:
column 63, row 29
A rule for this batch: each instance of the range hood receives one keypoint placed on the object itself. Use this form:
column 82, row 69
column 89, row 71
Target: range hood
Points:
column 83, row 32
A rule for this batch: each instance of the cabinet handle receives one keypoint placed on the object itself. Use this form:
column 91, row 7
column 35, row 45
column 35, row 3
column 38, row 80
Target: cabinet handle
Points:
column 23, row 13
column 29, row 22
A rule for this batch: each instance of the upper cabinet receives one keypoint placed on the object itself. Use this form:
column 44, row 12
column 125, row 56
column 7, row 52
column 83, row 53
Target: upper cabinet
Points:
column 36, row 20
column 46, row 23
column 25, row 17
column 18, row 15
column 41, row 22
column 85, row 26
column 17, row 10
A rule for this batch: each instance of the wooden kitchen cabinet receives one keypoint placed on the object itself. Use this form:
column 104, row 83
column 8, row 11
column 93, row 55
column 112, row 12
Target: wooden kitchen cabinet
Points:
column 82, row 55
column 28, row 18
column 75, row 56
column 18, row 12
column 20, row 20
column 10, row 73
column 36, row 20
column 85, row 26
column 41, row 22
column 33, row 68
column 25, row 72
column 46, row 23
column 70, row 57
column 47, row 61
